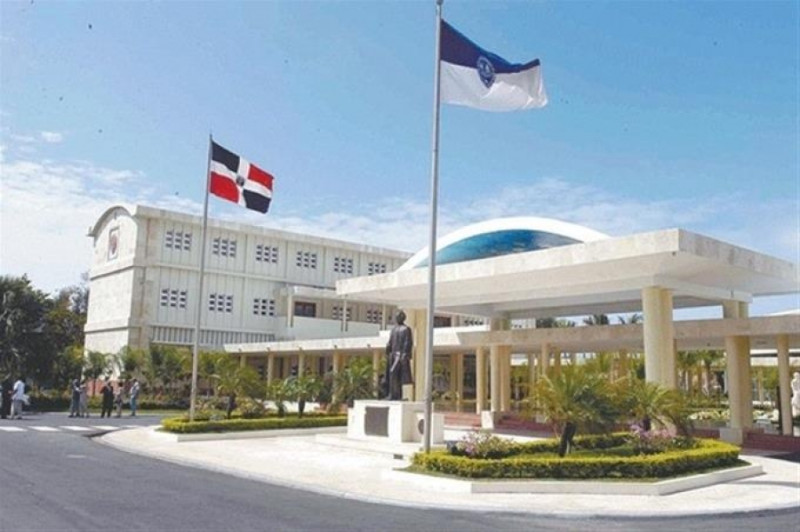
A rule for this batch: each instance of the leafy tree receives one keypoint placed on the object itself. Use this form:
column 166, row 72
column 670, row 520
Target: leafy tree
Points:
column 278, row 391
column 96, row 365
column 650, row 403
column 631, row 319
column 131, row 362
column 207, row 362
column 232, row 379
column 67, row 366
column 576, row 399
column 23, row 345
column 355, row 381
column 302, row 389
column 596, row 319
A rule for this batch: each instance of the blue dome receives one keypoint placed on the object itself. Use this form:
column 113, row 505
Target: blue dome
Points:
column 503, row 236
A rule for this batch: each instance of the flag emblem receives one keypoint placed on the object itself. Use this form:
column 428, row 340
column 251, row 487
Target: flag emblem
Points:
column 477, row 78
column 235, row 179
column 486, row 71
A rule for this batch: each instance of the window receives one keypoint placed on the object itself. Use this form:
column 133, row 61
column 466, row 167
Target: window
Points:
column 442, row 321
column 308, row 310
column 265, row 253
column 224, row 247
column 374, row 315
column 178, row 240
column 220, row 303
column 173, row 298
column 263, row 307
column 337, row 312
column 342, row 265
column 473, row 321
column 375, row 268
column 306, row 259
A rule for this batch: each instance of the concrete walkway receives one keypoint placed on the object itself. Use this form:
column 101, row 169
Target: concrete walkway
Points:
column 316, row 463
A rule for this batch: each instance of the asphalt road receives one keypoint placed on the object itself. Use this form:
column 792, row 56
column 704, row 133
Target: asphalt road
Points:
column 61, row 480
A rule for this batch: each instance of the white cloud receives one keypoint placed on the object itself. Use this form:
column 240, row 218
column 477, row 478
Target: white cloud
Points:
column 48, row 206
column 51, row 137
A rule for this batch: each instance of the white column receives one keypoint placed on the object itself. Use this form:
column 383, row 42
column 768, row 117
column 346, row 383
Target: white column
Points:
column 242, row 360
column 480, row 379
column 459, row 380
column 784, row 379
column 376, row 367
column 659, row 347
column 495, row 375
column 531, row 373
column 270, row 367
column 544, row 359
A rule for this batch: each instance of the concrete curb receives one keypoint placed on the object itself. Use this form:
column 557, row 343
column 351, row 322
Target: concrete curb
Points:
column 145, row 442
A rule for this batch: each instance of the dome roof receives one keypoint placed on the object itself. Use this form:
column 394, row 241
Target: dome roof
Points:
column 503, row 236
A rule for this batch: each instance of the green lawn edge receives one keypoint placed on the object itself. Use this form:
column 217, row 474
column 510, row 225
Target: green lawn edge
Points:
column 181, row 426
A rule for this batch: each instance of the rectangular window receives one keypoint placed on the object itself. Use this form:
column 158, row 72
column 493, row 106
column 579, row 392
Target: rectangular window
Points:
column 442, row 321
column 308, row 310
column 266, row 253
column 173, row 298
column 374, row 268
column 220, row 303
column 343, row 265
column 337, row 312
column 224, row 247
column 263, row 307
column 178, row 240
column 306, row 259
column 374, row 315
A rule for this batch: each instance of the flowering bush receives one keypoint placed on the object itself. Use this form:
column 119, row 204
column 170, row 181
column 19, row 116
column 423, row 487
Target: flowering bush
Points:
column 482, row 444
column 651, row 441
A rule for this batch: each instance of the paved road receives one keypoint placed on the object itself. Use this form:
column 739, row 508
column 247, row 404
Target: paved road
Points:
column 63, row 481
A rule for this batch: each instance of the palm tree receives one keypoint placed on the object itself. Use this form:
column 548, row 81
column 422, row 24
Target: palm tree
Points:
column 302, row 389
column 354, row 382
column 632, row 319
column 596, row 319
column 574, row 400
column 650, row 403
column 233, row 379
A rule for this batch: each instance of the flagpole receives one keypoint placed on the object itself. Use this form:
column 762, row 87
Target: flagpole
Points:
column 196, row 346
column 432, row 241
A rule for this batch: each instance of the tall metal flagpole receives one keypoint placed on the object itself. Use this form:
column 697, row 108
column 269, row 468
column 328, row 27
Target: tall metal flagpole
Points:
column 196, row 346
column 432, row 242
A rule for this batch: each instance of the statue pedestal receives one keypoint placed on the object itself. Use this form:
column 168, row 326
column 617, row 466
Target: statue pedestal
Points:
column 393, row 421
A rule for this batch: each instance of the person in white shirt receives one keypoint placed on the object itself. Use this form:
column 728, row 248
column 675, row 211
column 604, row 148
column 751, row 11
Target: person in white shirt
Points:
column 17, row 398
column 133, row 395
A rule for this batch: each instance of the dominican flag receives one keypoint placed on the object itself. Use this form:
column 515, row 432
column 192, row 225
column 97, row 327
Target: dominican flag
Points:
column 476, row 78
column 235, row 179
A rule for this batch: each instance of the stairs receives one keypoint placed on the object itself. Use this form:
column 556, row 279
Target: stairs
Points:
column 771, row 442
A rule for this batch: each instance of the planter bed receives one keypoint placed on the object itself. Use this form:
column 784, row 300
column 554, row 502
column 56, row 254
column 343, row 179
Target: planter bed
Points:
column 181, row 426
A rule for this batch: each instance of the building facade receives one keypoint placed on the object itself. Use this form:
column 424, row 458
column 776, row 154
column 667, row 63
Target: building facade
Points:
column 260, row 284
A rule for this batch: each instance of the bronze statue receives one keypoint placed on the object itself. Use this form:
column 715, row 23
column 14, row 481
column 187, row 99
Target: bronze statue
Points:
column 398, row 359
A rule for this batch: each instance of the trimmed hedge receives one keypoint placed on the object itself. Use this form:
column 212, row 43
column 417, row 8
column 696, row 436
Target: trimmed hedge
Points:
column 708, row 454
column 182, row 426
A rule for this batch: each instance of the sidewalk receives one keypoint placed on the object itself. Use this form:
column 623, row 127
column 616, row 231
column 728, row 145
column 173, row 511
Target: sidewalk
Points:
column 311, row 463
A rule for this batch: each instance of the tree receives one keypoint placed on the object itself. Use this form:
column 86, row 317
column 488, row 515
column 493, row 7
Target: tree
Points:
column 631, row 319
column 23, row 346
column 131, row 362
column 68, row 365
column 354, row 382
column 596, row 319
column 576, row 399
column 302, row 389
column 650, row 403
column 232, row 379
column 96, row 365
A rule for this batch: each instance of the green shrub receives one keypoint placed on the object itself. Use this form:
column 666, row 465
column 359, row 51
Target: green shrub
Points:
column 183, row 426
column 538, row 460
column 482, row 444
column 248, row 408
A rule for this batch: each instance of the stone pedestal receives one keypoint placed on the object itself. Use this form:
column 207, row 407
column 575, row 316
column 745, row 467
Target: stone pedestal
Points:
column 393, row 421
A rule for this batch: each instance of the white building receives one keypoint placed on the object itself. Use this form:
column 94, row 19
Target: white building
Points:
column 260, row 285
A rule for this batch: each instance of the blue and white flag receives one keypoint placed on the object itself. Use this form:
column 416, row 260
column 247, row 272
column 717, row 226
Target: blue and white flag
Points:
column 477, row 78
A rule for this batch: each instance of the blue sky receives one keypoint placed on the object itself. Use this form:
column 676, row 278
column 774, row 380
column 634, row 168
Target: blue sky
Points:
column 661, row 114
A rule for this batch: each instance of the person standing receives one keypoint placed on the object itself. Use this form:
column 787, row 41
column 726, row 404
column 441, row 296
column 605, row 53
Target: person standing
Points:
column 118, row 398
column 108, row 399
column 17, row 398
column 84, row 400
column 75, row 403
column 134, row 395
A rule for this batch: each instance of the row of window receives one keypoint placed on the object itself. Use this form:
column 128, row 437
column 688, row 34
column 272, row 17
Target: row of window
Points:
column 226, row 247
column 216, row 302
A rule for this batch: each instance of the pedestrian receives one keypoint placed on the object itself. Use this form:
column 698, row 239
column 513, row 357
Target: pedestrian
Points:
column 134, row 395
column 118, row 398
column 75, row 403
column 84, row 400
column 17, row 398
column 5, row 399
column 108, row 399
